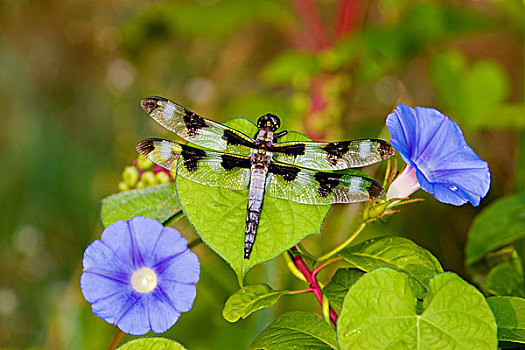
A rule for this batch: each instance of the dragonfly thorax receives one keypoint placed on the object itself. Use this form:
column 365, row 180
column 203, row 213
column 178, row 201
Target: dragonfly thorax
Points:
column 269, row 121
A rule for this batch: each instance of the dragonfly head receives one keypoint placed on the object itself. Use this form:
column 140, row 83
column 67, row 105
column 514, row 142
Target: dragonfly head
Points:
column 269, row 121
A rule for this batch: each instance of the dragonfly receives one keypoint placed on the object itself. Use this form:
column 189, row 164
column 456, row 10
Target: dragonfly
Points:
column 300, row 171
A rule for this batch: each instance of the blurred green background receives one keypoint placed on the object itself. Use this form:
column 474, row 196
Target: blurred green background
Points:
column 72, row 73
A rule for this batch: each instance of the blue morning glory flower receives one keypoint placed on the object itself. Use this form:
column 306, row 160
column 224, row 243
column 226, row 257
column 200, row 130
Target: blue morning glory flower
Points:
column 140, row 276
column 438, row 158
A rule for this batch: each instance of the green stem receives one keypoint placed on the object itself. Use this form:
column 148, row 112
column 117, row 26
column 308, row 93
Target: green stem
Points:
column 325, row 264
column 291, row 266
column 300, row 291
column 304, row 251
column 344, row 244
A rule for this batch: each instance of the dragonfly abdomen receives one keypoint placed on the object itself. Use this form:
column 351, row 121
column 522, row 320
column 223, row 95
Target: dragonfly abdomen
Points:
column 255, row 200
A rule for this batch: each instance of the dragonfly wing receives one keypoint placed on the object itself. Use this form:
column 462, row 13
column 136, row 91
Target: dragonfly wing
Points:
column 204, row 167
column 319, row 188
column 333, row 155
column 196, row 129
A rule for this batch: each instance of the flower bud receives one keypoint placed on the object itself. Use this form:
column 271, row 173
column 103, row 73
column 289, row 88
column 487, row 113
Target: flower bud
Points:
column 162, row 178
column 376, row 210
column 147, row 178
column 130, row 175
column 144, row 163
column 122, row 186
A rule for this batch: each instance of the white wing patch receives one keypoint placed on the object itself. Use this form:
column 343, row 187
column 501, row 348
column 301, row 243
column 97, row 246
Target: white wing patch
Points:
column 355, row 184
column 365, row 149
column 169, row 110
column 165, row 150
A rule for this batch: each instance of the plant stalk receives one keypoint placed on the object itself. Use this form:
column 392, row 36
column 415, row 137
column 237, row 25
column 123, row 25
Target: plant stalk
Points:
column 344, row 244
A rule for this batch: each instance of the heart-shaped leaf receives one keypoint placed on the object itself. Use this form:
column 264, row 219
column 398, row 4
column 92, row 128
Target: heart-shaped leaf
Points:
column 397, row 252
column 342, row 280
column 152, row 344
column 157, row 202
column 219, row 216
column 296, row 330
column 379, row 312
column 499, row 224
column 250, row 299
column 510, row 317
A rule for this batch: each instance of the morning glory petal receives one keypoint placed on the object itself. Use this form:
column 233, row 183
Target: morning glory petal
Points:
column 117, row 236
column 162, row 314
column 99, row 255
column 400, row 129
column 434, row 145
column 134, row 318
column 183, row 268
column 146, row 232
column 170, row 244
column 111, row 308
column 96, row 287
column 127, row 273
column 181, row 295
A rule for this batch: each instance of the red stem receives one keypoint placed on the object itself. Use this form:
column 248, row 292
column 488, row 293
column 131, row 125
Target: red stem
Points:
column 116, row 340
column 348, row 11
column 310, row 277
column 313, row 23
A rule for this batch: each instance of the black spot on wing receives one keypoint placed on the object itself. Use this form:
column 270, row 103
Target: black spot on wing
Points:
column 233, row 138
column 289, row 173
column 336, row 150
column 327, row 182
column 375, row 190
column 230, row 162
column 194, row 123
column 191, row 157
column 150, row 104
column 145, row 147
column 385, row 149
column 291, row 150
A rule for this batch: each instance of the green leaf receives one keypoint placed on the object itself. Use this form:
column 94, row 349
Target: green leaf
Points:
column 414, row 27
column 219, row 216
column 379, row 312
column 250, row 299
column 296, row 330
column 396, row 252
column 152, row 344
column 486, row 87
column 519, row 171
column 505, row 117
column 505, row 279
column 510, row 318
column 519, row 246
column 499, row 224
column 290, row 66
column 156, row 202
column 250, row 104
column 193, row 19
column 470, row 91
column 342, row 280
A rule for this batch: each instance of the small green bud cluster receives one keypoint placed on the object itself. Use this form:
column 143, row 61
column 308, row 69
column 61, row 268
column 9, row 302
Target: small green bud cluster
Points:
column 143, row 173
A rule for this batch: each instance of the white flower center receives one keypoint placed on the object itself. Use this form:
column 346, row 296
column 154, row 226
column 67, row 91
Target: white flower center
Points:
column 404, row 185
column 144, row 280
